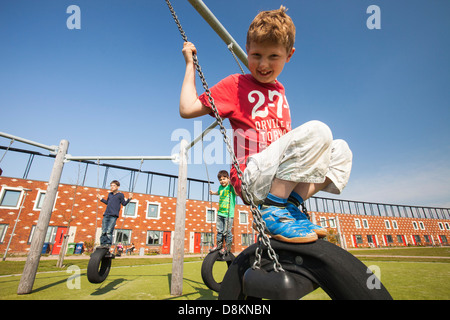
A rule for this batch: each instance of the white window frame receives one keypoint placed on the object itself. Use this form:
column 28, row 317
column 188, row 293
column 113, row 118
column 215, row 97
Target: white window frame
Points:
column 160, row 239
column 246, row 214
column 159, row 210
column 36, row 201
column 19, row 201
column 135, row 210
column 357, row 224
column 3, row 231
column 332, row 222
column 365, row 224
column 394, row 224
column 415, row 225
column 387, row 224
column 214, row 216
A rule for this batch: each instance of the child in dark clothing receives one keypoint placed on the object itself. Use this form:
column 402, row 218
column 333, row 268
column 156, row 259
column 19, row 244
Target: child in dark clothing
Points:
column 113, row 202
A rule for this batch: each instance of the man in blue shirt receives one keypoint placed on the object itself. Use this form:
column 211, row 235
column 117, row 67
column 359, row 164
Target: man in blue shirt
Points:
column 113, row 203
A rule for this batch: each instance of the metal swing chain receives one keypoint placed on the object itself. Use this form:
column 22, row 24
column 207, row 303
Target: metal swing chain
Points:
column 263, row 239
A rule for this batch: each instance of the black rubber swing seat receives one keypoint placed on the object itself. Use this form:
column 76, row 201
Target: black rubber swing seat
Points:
column 99, row 265
column 307, row 267
column 207, row 268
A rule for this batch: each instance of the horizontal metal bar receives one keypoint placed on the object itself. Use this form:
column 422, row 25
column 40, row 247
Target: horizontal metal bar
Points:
column 209, row 17
column 205, row 132
column 30, row 142
column 81, row 158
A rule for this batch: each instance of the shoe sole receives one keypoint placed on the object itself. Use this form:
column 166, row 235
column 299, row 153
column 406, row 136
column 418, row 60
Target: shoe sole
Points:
column 321, row 233
column 308, row 239
column 313, row 237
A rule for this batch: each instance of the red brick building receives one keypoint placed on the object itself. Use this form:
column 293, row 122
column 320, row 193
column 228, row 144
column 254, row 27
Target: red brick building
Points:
column 149, row 221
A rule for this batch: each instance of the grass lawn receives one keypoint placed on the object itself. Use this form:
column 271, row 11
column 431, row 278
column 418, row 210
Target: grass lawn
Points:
column 150, row 278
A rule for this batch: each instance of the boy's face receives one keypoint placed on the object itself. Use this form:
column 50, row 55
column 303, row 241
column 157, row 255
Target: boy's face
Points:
column 266, row 60
column 224, row 181
column 114, row 187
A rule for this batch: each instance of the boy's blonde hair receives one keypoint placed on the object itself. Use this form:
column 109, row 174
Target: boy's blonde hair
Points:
column 272, row 26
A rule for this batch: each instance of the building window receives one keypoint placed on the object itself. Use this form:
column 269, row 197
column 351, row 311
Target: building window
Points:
column 427, row 238
column 122, row 236
column 332, row 222
column 211, row 215
column 39, row 200
column 447, row 226
column 130, row 210
column 417, row 239
column 3, row 228
column 153, row 210
column 365, row 223
column 357, row 223
column 207, row 239
column 323, row 222
column 394, row 224
column 389, row 238
column 10, row 198
column 359, row 239
column 247, row 239
column 441, row 226
column 154, row 237
column 243, row 217
column 369, row 238
column 387, row 224
column 415, row 225
column 421, row 225
column 49, row 236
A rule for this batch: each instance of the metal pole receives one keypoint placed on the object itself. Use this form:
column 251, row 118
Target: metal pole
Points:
column 78, row 158
column 209, row 17
column 15, row 224
column 180, row 218
column 33, row 143
column 32, row 263
column 341, row 238
column 204, row 133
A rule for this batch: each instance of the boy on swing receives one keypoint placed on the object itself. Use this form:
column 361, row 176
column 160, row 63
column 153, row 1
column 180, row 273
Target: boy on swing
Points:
column 225, row 215
column 113, row 204
column 282, row 167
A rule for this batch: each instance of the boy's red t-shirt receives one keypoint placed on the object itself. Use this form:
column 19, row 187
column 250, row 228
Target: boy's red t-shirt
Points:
column 258, row 113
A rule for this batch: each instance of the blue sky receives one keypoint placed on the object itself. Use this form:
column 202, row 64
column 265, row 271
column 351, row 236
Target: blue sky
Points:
column 112, row 87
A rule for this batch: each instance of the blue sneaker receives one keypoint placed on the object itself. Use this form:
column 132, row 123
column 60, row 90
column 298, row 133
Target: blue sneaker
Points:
column 303, row 221
column 283, row 227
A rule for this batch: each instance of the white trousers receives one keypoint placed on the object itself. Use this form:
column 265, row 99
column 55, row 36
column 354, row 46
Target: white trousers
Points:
column 306, row 154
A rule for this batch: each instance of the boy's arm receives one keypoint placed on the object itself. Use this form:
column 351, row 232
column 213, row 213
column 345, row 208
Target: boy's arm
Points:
column 190, row 105
column 125, row 202
column 215, row 193
column 99, row 197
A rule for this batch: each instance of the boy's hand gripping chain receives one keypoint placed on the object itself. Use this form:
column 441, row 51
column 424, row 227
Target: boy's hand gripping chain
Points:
column 259, row 222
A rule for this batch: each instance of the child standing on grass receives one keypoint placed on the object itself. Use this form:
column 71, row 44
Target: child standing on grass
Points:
column 225, row 215
column 282, row 167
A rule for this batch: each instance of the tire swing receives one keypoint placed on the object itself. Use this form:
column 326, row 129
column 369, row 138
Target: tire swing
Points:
column 277, row 270
column 307, row 267
column 99, row 265
column 208, row 264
